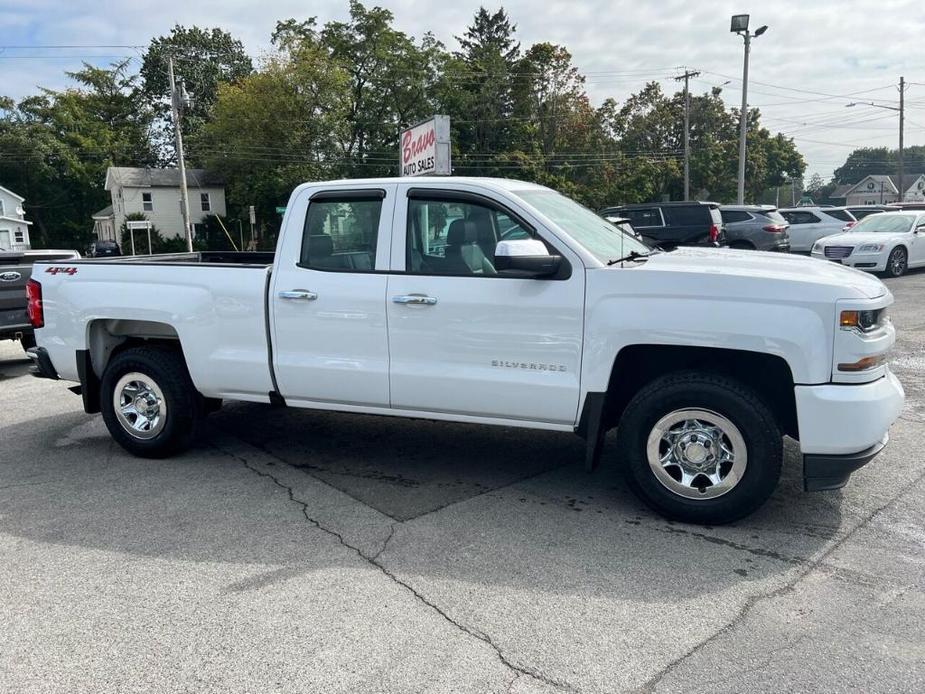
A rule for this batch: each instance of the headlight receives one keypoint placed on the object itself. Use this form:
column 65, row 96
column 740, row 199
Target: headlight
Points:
column 864, row 321
column 817, row 248
column 870, row 248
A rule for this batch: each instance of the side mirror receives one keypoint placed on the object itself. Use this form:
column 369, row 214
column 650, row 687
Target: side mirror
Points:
column 528, row 258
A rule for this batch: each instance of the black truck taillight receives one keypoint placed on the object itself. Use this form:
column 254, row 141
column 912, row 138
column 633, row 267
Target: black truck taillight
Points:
column 34, row 303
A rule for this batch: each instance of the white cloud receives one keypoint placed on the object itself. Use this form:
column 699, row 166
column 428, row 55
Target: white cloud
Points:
column 824, row 47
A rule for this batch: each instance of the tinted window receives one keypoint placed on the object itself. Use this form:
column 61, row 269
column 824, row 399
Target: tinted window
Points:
column 456, row 238
column 732, row 216
column 341, row 235
column 840, row 215
column 800, row 217
column 860, row 214
column 688, row 216
column 644, row 217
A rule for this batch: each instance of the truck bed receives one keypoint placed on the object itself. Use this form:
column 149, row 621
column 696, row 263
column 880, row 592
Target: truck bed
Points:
column 259, row 258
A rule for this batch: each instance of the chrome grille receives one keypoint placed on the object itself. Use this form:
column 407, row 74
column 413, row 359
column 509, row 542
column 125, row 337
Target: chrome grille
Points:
column 838, row 251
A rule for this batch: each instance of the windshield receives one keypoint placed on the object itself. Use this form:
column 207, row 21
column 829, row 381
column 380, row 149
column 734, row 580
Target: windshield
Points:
column 601, row 238
column 887, row 223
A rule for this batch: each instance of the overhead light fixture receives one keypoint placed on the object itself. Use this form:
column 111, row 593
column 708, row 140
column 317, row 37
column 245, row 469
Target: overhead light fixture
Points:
column 760, row 30
column 739, row 23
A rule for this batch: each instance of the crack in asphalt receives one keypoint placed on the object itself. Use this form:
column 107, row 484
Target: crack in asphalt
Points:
column 385, row 543
column 519, row 670
column 652, row 683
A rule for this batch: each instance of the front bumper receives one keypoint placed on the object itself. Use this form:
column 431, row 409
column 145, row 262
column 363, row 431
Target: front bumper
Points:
column 822, row 472
column 843, row 426
column 871, row 262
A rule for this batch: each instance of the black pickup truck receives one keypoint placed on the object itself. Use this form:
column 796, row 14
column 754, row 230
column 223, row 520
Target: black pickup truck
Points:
column 15, row 270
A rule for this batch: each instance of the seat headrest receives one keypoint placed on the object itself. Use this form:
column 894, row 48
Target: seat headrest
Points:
column 320, row 245
column 460, row 232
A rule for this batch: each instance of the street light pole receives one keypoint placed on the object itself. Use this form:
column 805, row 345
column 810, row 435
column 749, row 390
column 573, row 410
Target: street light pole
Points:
column 743, row 122
column 740, row 26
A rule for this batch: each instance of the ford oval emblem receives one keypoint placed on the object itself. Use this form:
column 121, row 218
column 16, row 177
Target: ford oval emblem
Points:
column 10, row 276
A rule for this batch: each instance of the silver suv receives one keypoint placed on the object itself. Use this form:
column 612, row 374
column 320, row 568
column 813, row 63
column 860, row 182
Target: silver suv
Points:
column 756, row 227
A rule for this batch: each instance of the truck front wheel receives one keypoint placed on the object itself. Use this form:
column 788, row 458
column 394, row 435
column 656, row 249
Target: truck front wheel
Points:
column 700, row 447
column 148, row 401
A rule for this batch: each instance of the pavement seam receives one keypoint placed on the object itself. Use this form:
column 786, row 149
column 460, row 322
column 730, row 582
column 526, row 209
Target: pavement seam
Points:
column 653, row 682
column 519, row 670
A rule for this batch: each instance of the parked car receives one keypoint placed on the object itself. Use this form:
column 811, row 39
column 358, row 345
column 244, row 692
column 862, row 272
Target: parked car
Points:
column 104, row 249
column 809, row 224
column 704, row 358
column 755, row 227
column 861, row 211
column 890, row 242
column 15, row 270
column 623, row 224
column 672, row 224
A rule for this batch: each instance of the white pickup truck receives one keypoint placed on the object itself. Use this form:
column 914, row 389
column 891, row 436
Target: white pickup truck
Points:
column 496, row 302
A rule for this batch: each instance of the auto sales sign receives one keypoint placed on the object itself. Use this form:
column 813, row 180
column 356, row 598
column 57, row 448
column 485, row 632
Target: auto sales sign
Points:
column 425, row 148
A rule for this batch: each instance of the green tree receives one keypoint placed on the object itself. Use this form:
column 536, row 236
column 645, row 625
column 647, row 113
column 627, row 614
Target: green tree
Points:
column 203, row 59
column 57, row 145
column 478, row 91
column 277, row 128
column 868, row 161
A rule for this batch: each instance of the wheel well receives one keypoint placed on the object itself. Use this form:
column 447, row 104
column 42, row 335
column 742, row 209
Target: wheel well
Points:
column 108, row 337
column 768, row 374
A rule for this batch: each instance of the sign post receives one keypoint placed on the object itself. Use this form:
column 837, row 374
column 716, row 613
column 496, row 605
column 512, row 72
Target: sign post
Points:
column 424, row 149
column 253, row 219
column 143, row 224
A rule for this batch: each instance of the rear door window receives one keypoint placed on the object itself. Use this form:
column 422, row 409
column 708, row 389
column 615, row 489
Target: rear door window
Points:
column 800, row 217
column 689, row 215
column 840, row 215
column 644, row 217
column 733, row 216
column 341, row 233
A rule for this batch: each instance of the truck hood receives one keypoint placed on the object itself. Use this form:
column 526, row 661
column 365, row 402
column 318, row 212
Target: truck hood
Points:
column 776, row 271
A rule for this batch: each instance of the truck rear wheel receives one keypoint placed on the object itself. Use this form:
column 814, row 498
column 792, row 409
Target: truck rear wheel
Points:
column 700, row 447
column 149, row 402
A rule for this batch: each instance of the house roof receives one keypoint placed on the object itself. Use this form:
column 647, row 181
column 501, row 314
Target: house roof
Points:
column 908, row 180
column 890, row 184
column 135, row 177
column 10, row 192
column 105, row 213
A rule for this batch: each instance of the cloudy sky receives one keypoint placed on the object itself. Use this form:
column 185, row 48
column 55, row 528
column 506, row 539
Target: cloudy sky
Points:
column 817, row 57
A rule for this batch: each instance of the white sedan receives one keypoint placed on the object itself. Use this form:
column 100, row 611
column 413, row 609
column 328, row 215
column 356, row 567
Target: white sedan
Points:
column 890, row 242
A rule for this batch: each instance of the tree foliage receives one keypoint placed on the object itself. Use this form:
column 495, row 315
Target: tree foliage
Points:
column 331, row 99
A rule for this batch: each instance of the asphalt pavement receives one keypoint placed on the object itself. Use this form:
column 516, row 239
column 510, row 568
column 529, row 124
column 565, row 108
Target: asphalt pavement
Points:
column 296, row 551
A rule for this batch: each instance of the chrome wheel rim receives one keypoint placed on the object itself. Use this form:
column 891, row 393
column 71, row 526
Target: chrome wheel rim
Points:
column 898, row 262
column 139, row 405
column 696, row 454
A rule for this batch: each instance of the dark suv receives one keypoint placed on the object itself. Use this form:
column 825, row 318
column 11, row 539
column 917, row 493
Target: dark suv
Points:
column 670, row 224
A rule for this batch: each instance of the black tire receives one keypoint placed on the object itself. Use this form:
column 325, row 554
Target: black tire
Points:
column 898, row 262
column 742, row 245
column 165, row 368
column 27, row 341
column 717, row 394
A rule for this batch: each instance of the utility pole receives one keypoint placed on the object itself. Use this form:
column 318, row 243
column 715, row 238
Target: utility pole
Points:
column 687, row 130
column 184, row 193
column 902, row 113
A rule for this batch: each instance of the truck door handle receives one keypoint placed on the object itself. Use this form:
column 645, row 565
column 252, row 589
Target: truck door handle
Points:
column 302, row 294
column 419, row 299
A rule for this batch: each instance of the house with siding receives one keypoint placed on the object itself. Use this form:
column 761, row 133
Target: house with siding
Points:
column 14, row 229
column 878, row 189
column 155, row 194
